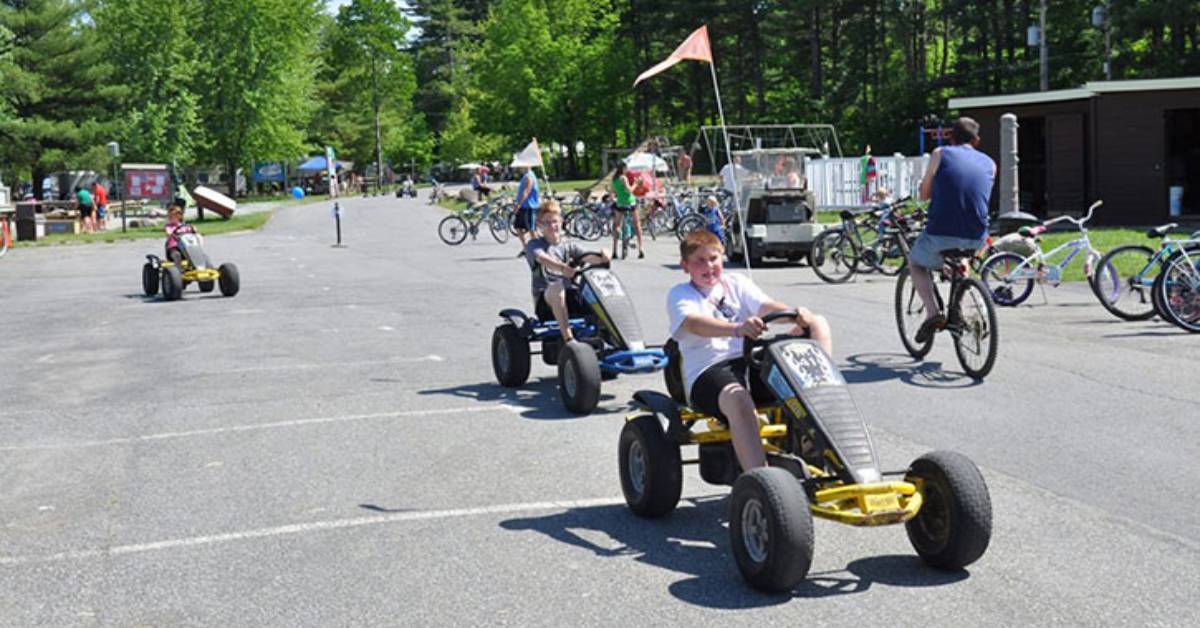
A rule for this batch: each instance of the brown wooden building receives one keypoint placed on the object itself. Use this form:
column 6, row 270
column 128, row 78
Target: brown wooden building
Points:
column 1127, row 143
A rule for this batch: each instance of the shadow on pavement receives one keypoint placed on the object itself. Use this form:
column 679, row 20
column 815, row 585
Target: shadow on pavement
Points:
column 498, row 258
column 539, row 398
column 865, row 368
column 695, row 542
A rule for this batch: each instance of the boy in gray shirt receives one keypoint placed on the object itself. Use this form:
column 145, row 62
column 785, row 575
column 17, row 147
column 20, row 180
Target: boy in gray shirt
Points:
column 549, row 258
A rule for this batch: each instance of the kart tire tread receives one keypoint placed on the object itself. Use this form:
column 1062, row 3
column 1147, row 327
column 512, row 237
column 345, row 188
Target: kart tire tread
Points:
column 790, row 529
column 517, row 372
column 229, row 280
column 956, row 499
column 150, row 279
column 581, row 359
column 663, row 482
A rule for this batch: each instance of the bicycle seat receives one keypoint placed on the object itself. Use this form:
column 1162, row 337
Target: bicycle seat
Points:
column 1161, row 231
column 953, row 255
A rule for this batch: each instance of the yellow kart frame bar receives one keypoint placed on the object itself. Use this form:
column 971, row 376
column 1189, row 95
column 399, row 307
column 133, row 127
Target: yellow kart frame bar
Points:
column 874, row 504
column 199, row 274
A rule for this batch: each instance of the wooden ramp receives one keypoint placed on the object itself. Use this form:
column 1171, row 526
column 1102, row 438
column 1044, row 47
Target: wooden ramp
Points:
column 214, row 201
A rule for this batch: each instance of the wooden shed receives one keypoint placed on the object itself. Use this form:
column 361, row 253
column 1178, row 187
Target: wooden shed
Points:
column 1133, row 144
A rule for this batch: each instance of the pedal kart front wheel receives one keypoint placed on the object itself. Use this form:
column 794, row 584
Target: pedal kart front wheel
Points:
column 229, row 280
column 770, row 529
column 650, row 467
column 172, row 283
column 954, row 526
column 150, row 279
column 579, row 377
column 510, row 356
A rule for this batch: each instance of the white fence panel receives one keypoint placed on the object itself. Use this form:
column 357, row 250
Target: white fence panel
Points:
column 836, row 181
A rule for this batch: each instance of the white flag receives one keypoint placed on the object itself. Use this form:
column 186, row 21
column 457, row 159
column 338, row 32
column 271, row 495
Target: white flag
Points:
column 530, row 156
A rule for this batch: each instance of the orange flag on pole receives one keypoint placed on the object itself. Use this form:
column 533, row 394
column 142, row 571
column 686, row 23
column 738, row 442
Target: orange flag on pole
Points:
column 694, row 48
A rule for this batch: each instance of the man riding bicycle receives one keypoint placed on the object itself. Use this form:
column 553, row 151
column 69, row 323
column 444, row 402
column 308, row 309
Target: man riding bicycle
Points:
column 958, row 184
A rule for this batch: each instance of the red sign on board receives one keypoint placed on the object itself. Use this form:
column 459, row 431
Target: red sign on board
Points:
column 148, row 184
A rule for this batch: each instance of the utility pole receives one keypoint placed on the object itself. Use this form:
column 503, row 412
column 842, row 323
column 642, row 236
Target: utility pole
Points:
column 1044, row 52
column 1107, row 40
column 378, row 134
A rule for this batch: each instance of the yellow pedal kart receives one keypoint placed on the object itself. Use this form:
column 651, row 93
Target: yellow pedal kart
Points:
column 821, row 463
column 192, row 266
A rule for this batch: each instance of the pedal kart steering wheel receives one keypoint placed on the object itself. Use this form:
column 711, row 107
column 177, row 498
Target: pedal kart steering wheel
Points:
column 752, row 349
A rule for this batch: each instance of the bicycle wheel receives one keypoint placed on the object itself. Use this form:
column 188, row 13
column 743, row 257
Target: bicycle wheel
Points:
column 453, row 230
column 688, row 224
column 973, row 326
column 828, row 256
column 889, row 257
column 498, row 224
column 1180, row 290
column 910, row 313
column 661, row 222
column 1123, row 282
column 1007, row 282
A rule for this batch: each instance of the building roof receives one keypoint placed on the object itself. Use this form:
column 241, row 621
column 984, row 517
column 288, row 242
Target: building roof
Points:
column 1088, row 90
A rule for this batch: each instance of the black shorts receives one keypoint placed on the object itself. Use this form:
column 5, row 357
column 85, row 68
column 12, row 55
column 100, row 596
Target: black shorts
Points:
column 575, row 306
column 715, row 378
column 523, row 219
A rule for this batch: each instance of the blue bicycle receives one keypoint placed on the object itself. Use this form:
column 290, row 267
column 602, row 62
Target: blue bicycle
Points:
column 1127, row 275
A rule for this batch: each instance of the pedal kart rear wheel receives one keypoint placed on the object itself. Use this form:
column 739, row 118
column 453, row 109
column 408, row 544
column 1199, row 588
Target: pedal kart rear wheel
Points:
column 954, row 526
column 770, row 529
column 510, row 356
column 650, row 467
column 229, row 281
column 578, row 377
column 172, row 283
column 150, row 279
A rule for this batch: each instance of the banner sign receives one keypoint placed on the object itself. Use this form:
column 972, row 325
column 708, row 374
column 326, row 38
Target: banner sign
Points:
column 148, row 184
column 270, row 172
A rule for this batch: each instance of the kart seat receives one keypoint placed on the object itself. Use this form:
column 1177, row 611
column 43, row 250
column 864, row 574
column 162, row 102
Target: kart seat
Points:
column 576, row 308
column 1161, row 232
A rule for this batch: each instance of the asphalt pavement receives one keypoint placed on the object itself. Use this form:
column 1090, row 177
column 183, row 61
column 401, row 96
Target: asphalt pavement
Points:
column 330, row 448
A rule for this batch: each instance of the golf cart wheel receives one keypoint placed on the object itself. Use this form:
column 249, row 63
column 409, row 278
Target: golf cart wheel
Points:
column 770, row 529
column 954, row 526
column 651, row 470
column 578, row 377
column 754, row 255
column 229, row 280
column 510, row 356
column 206, row 286
column 172, row 283
column 673, row 373
column 150, row 279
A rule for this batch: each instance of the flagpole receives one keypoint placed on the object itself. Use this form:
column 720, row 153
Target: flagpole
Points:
column 737, row 203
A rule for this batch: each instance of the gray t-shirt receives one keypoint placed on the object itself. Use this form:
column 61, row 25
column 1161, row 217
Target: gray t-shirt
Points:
column 564, row 251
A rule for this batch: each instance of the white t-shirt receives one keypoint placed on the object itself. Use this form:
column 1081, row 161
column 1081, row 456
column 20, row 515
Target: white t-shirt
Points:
column 727, row 174
column 736, row 298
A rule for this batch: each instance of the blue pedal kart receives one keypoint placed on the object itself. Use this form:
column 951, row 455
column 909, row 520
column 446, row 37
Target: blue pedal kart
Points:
column 602, row 320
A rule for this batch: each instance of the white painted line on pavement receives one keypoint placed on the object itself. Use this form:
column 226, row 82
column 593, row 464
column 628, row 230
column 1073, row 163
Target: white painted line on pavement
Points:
column 315, row 526
column 326, row 365
column 129, row 440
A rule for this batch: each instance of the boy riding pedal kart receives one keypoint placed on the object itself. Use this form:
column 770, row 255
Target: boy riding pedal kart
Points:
column 185, row 262
column 584, row 321
column 781, row 400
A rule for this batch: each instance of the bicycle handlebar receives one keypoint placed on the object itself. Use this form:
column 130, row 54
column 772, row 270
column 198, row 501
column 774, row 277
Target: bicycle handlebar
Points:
column 1078, row 222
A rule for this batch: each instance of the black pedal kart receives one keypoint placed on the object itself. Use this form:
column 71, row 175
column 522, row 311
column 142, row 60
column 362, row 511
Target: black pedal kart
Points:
column 192, row 267
column 606, row 326
column 821, row 463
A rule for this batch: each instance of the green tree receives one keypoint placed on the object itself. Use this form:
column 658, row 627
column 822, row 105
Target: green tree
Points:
column 156, row 59
column 54, row 85
column 460, row 141
column 257, row 76
column 371, row 80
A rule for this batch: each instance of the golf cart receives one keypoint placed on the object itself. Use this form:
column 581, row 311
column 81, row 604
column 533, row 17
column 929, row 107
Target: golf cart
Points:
column 779, row 213
column 193, row 266
column 821, row 463
column 602, row 320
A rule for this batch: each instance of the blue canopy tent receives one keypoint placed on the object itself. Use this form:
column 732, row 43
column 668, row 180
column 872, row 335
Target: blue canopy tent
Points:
column 318, row 164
